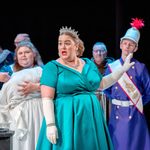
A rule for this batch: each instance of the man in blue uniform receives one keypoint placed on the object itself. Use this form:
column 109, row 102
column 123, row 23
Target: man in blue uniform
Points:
column 127, row 124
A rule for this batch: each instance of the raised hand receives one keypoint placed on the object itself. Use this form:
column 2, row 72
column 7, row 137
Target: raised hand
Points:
column 127, row 64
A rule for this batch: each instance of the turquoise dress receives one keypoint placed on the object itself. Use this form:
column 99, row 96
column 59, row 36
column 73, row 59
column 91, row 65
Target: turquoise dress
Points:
column 78, row 114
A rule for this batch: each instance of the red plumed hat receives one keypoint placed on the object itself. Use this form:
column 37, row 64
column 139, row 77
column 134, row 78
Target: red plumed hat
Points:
column 133, row 32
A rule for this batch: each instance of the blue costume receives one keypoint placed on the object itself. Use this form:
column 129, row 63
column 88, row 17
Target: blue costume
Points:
column 127, row 126
column 6, row 59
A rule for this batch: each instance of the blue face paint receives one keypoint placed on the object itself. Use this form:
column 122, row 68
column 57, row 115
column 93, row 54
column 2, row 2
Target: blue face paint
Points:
column 100, row 52
column 100, row 49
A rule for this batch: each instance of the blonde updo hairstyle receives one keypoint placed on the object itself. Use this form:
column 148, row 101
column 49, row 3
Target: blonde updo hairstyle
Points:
column 74, row 35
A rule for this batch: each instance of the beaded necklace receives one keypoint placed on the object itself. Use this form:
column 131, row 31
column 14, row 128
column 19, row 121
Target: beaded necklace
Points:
column 72, row 66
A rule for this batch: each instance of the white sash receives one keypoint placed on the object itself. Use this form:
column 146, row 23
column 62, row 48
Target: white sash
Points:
column 128, row 87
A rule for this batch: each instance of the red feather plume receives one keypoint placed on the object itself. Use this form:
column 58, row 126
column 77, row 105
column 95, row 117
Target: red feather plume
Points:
column 137, row 23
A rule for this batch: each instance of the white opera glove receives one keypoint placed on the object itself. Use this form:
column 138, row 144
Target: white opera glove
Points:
column 48, row 110
column 127, row 64
column 112, row 78
column 52, row 134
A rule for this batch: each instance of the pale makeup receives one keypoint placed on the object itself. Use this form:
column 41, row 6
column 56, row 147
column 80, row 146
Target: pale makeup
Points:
column 97, row 58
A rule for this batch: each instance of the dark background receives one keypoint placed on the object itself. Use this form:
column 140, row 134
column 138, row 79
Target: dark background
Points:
column 105, row 21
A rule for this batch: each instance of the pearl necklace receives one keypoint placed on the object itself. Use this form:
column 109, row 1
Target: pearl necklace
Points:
column 72, row 66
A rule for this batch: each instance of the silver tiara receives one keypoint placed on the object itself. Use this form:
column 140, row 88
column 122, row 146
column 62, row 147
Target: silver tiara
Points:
column 66, row 29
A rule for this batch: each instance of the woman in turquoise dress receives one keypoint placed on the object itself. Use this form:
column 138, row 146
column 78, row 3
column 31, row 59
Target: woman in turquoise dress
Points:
column 73, row 116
